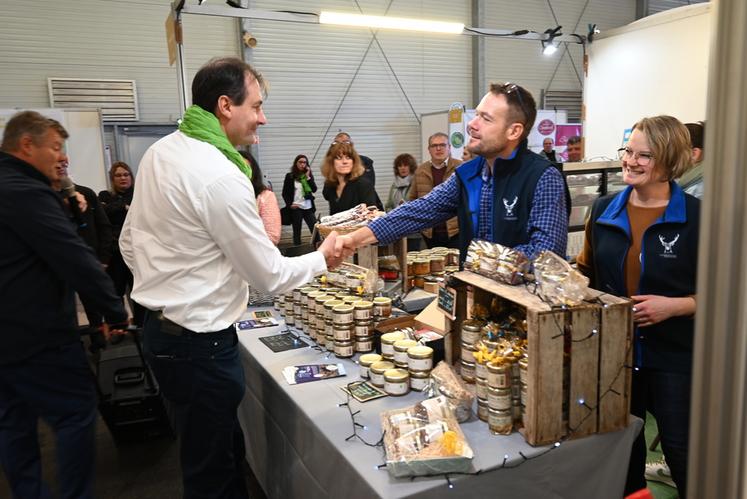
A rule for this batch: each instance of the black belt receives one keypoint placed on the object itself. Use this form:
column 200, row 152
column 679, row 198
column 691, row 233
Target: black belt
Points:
column 168, row 326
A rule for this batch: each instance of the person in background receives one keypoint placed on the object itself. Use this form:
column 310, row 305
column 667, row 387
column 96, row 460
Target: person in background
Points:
column 643, row 243
column 466, row 155
column 345, row 186
column 298, row 193
column 547, row 150
column 43, row 367
column 507, row 194
column 369, row 173
column 195, row 243
column 404, row 169
column 116, row 202
column 267, row 203
column 429, row 175
column 692, row 181
column 94, row 227
column 574, row 150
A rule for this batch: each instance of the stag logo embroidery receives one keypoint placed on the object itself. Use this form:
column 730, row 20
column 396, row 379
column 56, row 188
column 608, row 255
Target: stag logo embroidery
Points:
column 510, row 206
column 668, row 245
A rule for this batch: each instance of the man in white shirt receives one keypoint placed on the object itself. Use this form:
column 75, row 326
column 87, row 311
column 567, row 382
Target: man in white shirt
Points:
column 194, row 240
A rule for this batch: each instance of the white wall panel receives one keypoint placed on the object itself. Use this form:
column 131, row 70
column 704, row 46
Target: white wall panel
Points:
column 309, row 68
column 102, row 39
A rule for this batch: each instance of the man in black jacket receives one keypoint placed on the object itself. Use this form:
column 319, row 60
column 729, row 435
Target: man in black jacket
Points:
column 43, row 370
column 95, row 229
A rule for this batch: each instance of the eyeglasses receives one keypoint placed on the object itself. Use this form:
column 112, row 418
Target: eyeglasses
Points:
column 642, row 158
column 512, row 88
column 302, row 162
column 341, row 142
column 436, row 146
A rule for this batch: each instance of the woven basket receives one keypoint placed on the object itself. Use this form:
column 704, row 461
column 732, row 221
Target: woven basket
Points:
column 324, row 230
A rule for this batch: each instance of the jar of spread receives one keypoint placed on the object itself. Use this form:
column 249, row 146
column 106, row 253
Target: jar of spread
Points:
column 376, row 372
column 400, row 351
column 366, row 361
column 396, row 382
column 419, row 357
column 363, row 310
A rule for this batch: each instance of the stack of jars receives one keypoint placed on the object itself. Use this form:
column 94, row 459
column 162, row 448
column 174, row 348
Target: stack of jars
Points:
column 471, row 332
column 341, row 341
column 406, row 355
column 363, row 326
column 431, row 266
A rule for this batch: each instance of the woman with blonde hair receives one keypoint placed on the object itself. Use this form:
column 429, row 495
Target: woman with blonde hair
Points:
column 643, row 243
column 344, row 187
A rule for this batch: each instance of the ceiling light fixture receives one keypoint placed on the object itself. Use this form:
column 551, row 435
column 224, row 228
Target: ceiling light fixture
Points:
column 387, row 22
column 549, row 46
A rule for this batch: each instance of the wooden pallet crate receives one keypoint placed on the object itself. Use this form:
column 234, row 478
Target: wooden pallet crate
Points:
column 598, row 396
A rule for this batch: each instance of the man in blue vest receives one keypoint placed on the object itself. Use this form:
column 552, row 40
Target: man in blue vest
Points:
column 507, row 194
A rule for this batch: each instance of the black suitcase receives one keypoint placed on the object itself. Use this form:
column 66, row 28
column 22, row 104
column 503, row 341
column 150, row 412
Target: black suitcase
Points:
column 130, row 401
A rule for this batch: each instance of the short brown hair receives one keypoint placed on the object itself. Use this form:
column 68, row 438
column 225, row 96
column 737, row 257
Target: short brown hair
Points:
column 29, row 123
column 223, row 76
column 336, row 150
column 521, row 105
column 405, row 159
column 669, row 142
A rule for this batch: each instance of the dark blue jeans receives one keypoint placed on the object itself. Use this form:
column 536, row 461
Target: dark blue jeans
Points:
column 666, row 395
column 56, row 384
column 201, row 376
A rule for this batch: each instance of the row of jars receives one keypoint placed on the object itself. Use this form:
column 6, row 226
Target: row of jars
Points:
column 399, row 378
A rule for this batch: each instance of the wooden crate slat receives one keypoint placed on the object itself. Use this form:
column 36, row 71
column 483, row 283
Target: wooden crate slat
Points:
column 544, row 405
column 584, row 365
column 616, row 337
column 516, row 294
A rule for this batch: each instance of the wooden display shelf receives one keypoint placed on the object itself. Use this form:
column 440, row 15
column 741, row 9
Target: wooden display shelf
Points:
column 598, row 396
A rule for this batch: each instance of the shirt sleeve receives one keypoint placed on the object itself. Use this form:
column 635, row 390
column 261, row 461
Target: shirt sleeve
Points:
column 435, row 207
column 269, row 212
column 548, row 219
column 229, row 212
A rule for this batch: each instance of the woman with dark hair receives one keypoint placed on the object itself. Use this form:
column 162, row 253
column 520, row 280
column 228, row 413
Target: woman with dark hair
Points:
column 267, row 203
column 404, row 169
column 298, row 193
column 116, row 202
column 344, row 187
column 643, row 243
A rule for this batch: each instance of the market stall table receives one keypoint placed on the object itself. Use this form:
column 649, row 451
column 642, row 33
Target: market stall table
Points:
column 296, row 437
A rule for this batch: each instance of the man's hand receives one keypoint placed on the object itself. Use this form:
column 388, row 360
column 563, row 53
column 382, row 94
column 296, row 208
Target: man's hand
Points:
column 327, row 248
column 82, row 204
column 114, row 329
column 344, row 247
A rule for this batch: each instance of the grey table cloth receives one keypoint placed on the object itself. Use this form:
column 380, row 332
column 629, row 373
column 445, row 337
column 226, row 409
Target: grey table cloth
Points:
column 296, row 443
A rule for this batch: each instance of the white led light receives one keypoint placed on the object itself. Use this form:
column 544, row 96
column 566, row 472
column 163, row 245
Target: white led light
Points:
column 550, row 49
column 390, row 22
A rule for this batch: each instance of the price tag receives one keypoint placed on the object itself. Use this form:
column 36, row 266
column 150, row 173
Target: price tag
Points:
column 447, row 301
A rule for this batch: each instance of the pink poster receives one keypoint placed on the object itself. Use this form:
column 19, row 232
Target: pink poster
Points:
column 562, row 134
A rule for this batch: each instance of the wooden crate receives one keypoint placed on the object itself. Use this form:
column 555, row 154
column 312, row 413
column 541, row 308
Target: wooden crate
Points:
column 598, row 396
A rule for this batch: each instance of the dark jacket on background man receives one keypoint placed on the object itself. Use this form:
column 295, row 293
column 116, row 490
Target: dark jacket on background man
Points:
column 97, row 232
column 42, row 262
column 115, row 208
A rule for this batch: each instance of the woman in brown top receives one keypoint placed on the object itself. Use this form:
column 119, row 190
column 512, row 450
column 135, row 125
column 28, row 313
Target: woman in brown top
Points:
column 642, row 243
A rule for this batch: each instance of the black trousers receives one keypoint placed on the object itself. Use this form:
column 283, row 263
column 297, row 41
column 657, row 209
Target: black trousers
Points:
column 122, row 279
column 201, row 376
column 666, row 395
column 55, row 384
column 297, row 216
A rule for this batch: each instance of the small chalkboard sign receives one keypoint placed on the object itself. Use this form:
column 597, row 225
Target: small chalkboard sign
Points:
column 447, row 301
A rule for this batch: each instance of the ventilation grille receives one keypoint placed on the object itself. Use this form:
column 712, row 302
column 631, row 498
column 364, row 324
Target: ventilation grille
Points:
column 117, row 99
column 568, row 100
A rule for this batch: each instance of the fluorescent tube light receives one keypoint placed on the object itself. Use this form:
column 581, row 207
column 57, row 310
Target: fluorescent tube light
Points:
column 390, row 22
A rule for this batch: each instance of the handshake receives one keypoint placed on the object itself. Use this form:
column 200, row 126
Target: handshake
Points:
column 336, row 248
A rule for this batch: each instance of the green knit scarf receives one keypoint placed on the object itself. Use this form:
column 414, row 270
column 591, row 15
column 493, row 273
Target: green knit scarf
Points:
column 304, row 184
column 202, row 125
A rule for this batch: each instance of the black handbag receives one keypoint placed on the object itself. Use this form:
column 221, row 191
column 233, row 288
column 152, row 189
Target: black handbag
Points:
column 285, row 216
